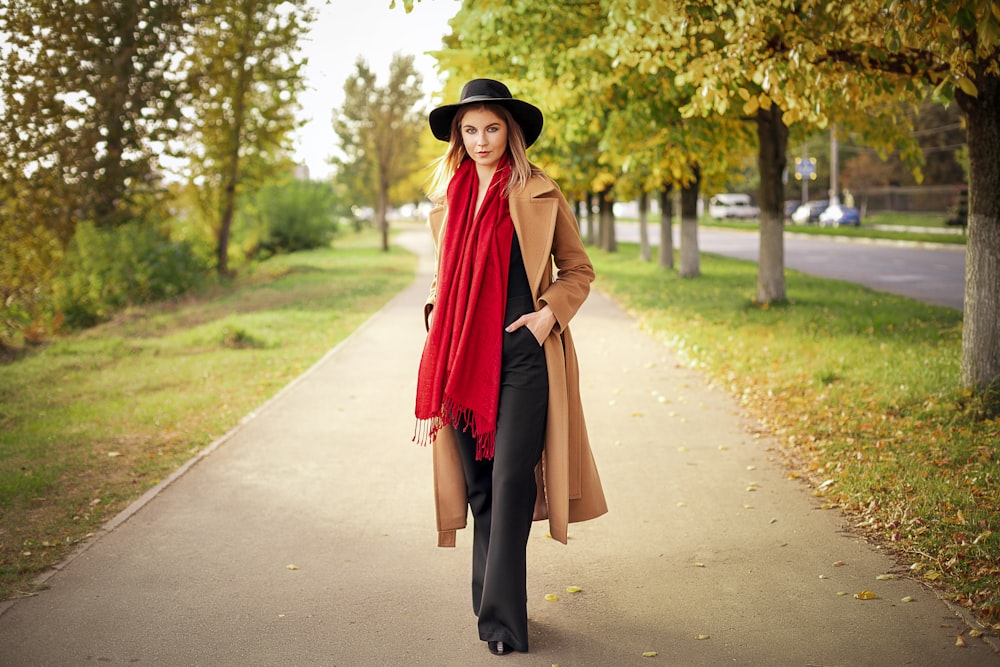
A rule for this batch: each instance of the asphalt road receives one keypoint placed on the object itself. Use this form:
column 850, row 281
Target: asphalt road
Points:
column 931, row 274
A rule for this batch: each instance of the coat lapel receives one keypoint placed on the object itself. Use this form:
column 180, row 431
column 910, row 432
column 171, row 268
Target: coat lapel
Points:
column 534, row 222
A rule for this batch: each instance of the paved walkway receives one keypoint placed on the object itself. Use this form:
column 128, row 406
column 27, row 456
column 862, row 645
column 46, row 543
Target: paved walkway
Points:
column 306, row 537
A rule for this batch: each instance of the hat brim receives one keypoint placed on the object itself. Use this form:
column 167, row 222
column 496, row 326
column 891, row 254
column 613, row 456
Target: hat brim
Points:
column 528, row 116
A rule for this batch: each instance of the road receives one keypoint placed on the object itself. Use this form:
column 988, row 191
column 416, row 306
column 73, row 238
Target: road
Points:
column 932, row 274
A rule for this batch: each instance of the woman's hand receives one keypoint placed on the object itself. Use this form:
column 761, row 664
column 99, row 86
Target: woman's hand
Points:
column 539, row 323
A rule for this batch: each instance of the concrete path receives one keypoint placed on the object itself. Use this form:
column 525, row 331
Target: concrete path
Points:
column 306, row 537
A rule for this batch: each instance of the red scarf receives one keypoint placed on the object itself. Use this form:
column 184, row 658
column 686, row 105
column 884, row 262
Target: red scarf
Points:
column 459, row 377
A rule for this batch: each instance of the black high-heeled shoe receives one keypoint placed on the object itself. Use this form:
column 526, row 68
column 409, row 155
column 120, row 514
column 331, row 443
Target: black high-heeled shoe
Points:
column 498, row 648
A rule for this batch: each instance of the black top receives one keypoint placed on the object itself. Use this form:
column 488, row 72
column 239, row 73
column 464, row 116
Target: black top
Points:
column 517, row 277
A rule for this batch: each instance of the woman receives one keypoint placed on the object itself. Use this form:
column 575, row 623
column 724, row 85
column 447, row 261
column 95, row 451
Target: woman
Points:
column 498, row 384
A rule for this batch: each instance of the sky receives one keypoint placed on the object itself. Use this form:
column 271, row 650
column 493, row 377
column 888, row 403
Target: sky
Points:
column 345, row 30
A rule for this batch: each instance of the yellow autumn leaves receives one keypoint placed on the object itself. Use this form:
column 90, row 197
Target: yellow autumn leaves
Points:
column 552, row 597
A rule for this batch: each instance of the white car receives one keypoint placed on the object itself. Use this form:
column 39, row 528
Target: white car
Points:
column 724, row 206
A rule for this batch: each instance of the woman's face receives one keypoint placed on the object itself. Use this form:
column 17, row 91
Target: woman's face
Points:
column 485, row 137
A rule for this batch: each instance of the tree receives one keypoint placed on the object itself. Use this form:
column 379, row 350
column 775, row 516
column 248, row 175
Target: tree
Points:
column 784, row 63
column 248, row 76
column 954, row 46
column 90, row 96
column 752, row 63
column 379, row 128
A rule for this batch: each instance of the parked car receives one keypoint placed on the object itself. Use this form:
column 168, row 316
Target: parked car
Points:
column 809, row 212
column 790, row 206
column 838, row 215
column 725, row 206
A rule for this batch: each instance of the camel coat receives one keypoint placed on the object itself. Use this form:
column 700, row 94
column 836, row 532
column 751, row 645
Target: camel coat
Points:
column 569, row 488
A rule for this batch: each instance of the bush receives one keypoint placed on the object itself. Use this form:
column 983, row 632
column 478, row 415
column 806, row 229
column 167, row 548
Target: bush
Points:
column 28, row 253
column 107, row 269
column 286, row 217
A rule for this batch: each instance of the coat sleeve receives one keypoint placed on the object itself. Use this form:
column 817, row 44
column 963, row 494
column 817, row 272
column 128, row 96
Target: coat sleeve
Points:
column 436, row 223
column 574, row 270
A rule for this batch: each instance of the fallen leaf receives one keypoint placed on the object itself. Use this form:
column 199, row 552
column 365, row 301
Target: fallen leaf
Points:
column 291, row 566
column 823, row 576
column 551, row 597
column 908, row 598
column 649, row 654
column 114, row 454
column 838, row 563
column 573, row 589
column 699, row 565
column 700, row 637
column 975, row 633
column 960, row 641
column 866, row 595
column 932, row 575
column 841, row 593
column 885, row 577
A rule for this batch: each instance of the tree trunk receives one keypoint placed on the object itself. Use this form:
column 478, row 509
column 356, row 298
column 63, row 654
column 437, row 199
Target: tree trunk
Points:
column 382, row 214
column 666, row 227
column 591, row 235
column 644, row 254
column 981, row 327
column 772, row 135
column 225, row 225
column 690, row 257
column 231, row 179
column 607, row 220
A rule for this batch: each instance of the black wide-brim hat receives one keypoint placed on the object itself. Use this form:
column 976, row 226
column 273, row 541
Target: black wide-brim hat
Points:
column 528, row 116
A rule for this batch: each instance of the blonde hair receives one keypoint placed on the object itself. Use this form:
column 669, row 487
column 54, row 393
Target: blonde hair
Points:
column 521, row 169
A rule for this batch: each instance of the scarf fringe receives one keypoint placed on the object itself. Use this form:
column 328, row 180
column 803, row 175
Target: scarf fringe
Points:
column 426, row 430
column 455, row 415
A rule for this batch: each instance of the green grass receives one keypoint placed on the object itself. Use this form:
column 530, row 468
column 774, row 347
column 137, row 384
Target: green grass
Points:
column 91, row 421
column 861, row 390
column 865, row 231
column 910, row 219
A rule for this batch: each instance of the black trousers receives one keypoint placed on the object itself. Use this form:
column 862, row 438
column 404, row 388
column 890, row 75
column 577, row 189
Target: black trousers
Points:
column 502, row 490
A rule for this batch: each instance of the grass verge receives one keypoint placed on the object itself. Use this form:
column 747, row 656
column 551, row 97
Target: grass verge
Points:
column 865, row 231
column 860, row 388
column 92, row 421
